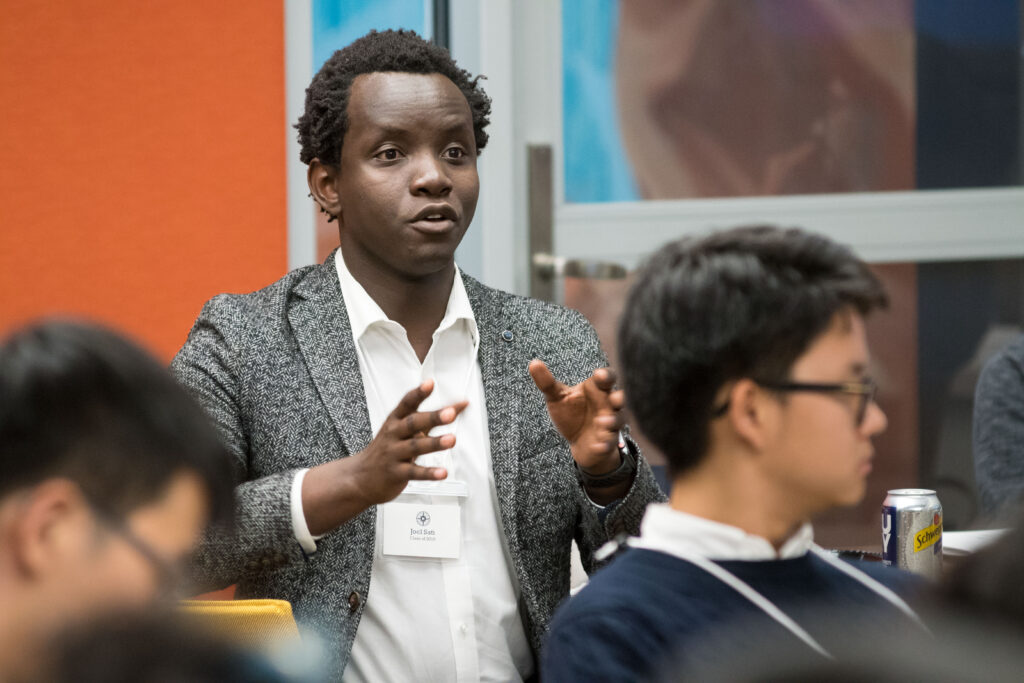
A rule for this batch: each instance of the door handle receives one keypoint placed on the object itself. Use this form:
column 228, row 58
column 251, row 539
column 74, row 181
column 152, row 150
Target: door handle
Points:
column 545, row 268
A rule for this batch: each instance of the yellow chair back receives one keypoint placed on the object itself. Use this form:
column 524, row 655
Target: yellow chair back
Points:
column 258, row 624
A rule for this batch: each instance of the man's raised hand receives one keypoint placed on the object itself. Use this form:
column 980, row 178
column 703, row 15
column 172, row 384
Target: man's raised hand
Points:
column 337, row 491
column 588, row 415
column 388, row 463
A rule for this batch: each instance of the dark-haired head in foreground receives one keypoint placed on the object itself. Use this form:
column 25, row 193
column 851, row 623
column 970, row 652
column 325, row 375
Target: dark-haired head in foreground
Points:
column 108, row 474
column 716, row 327
column 746, row 362
column 166, row 648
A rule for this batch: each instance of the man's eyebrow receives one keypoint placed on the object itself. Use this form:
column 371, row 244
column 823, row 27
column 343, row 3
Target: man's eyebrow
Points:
column 389, row 130
column 453, row 124
column 447, row 128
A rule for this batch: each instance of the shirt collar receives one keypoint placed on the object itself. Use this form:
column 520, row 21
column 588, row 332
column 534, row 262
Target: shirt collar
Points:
column 678, row 533
column 363, row 311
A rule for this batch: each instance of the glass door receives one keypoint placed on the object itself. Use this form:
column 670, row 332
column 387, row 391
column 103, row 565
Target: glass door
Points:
column 890, row 125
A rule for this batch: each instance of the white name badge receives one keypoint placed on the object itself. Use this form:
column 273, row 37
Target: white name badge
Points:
column 421, row 530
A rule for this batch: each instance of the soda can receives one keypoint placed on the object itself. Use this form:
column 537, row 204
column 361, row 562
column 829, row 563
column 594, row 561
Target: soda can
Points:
column 912, row 531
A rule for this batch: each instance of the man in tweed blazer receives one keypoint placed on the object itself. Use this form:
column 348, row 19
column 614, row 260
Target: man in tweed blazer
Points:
column 280, row 372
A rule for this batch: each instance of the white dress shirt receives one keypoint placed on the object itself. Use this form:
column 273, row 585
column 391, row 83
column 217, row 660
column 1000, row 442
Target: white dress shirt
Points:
column 433, row 619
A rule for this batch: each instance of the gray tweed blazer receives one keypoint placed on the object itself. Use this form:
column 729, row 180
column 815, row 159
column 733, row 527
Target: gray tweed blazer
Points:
column 277, row 371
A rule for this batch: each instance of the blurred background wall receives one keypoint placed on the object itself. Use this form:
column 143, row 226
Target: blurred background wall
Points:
column 142, row 159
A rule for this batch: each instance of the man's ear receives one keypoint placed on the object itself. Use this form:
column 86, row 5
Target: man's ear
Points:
column 750, row 414
column 43, row 525
column 322, row 179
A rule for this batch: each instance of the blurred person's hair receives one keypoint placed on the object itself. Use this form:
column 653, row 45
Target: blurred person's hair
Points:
column 158, row 648
column 987, row 584
column 81, row 402
column 742, row 303
column 323, row 125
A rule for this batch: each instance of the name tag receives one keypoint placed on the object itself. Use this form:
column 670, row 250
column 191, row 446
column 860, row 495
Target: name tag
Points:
column 421, row 530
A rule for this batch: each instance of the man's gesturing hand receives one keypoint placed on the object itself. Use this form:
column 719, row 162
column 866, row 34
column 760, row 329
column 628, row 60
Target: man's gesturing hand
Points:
column 588, row 415
column 388, row 463
column 335, row 492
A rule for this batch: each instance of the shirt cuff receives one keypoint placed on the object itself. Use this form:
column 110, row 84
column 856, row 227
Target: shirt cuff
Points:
column 299, row 527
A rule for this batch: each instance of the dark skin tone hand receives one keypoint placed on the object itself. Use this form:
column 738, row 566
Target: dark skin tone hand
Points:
column 589, row 416
column 335, row 492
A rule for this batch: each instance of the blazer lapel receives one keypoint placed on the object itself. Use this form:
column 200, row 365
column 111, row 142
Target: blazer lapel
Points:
column 320, row 323
column 498, row 368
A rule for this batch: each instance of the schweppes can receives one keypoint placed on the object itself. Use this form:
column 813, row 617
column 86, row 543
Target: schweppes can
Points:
column 912, row 531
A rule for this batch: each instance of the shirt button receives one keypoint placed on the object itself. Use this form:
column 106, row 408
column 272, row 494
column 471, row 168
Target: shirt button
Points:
column 353, row 601
column 463, row 628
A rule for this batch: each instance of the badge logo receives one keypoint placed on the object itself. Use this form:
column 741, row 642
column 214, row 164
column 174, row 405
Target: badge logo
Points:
column 423, row 518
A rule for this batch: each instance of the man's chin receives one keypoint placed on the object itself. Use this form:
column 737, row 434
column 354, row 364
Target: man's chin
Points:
column 855, row 496
column 429, row 261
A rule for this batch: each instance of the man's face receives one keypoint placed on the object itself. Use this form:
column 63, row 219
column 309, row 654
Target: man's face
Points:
column 820, row 456
column 407, row 184
column 133, row 561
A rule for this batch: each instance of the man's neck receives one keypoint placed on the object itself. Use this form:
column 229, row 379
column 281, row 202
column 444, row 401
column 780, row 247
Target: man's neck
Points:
column 417, row 304
column 733, row 493
column 18, row 643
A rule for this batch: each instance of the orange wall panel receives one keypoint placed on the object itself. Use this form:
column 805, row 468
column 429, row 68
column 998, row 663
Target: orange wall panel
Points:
column 142, row 159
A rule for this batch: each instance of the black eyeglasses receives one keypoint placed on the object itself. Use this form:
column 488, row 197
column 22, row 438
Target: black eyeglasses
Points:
column 168, row 575
column 865, row 391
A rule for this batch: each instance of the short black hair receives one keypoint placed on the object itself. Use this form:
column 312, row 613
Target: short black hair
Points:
column 323, row 125
column 136, row 647
column 707, row 310
column 80, row 401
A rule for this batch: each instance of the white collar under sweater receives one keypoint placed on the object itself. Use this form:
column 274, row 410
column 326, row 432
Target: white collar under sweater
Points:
column 681, row 534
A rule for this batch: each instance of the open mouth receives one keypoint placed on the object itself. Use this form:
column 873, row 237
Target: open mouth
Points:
column 434, row 224
column 435, row 219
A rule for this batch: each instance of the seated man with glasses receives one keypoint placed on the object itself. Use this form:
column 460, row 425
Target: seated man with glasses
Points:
column 109, row 472
column 745, row 361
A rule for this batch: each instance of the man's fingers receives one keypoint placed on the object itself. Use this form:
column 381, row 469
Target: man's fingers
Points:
column 608, row 421
column 617, row 399
column 429, row 473
column 412, row 400
column 545, row 381
column 601, row 446
column 424, row 422
column 612, row 420
column 604, row 378
column 419, row 445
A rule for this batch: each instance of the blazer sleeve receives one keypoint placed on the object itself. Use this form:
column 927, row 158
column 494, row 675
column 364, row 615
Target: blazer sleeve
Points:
column 598, row 526
column 211, row 366
column 999, row 430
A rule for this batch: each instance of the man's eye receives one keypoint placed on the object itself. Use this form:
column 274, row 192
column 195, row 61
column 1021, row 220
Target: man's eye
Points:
column 387, row 154
column 454, row 153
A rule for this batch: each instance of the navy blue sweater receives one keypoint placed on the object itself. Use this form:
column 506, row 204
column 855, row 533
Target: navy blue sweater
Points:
column 647, row 607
